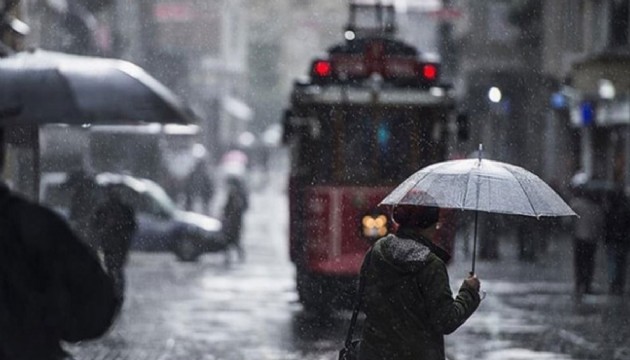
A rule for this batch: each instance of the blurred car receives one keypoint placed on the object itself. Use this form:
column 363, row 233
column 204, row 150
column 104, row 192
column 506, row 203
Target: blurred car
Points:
column 161, row 225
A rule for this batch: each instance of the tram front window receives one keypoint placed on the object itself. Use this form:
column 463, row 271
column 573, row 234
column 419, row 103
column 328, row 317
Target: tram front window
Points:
column 360, row 147
column 377, row 147
column 358, row 154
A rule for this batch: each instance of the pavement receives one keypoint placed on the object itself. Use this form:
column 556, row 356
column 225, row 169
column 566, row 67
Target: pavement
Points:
column 530, row 311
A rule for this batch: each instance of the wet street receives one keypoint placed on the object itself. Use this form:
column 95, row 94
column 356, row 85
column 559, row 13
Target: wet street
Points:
column 214, row 310
column 530, row 311
column 242, row 311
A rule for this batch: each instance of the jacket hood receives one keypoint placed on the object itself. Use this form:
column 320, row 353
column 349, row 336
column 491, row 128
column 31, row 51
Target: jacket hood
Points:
column 404, row 254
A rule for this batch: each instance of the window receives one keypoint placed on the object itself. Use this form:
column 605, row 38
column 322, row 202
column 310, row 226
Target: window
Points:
column 368, row 145
column 499, row 28
column 573, row 34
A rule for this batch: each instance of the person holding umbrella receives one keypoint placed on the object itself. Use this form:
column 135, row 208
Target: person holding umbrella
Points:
column 408, row 301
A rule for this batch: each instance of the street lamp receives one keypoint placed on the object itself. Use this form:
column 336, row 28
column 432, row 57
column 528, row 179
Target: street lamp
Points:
column 494, row 94
column 606, row 89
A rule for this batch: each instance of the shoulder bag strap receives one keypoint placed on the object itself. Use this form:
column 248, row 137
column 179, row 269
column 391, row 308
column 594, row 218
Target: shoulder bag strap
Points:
column 358, row 300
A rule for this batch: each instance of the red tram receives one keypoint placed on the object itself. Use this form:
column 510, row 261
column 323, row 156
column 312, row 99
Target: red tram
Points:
column 372, row 113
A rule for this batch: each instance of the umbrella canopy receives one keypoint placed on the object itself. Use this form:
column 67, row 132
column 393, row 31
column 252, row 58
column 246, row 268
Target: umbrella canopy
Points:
column 480, row 185
column 42, row 87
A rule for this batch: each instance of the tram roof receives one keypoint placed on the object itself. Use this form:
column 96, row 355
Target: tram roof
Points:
column 340, row 94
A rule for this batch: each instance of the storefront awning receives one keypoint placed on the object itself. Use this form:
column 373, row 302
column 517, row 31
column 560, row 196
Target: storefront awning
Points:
column 600, row 92
column 610, row 65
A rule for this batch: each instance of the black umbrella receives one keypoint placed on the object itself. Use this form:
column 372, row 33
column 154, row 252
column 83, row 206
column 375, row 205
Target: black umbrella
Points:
column 43, row 87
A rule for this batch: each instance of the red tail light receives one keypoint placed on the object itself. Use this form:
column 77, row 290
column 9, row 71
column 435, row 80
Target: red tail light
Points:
column 322, row 68
column 429, row 72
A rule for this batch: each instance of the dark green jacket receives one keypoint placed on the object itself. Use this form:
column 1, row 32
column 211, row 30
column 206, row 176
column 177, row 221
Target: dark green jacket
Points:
column 408, row 301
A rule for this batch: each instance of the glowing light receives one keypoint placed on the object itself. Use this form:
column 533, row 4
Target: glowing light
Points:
column 322, row 68
column 494, row 94
column 429, row 71
column 374, row 226
column 606, row 89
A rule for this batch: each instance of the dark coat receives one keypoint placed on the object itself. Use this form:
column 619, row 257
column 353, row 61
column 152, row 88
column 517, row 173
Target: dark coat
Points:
column 52, row 286
column 617, row 221
column 408, row 301
column 199, row 184
column 114, row 222
column 235, row 206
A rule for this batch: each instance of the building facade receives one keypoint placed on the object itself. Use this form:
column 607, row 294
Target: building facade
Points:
column 197, row 48
column 599, row 90
column 546, row 59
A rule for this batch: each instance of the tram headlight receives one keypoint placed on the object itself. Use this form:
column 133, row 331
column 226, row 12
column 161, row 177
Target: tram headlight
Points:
column 374, row 226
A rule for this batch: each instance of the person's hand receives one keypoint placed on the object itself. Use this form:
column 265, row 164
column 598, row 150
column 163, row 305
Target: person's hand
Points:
column 472, row 282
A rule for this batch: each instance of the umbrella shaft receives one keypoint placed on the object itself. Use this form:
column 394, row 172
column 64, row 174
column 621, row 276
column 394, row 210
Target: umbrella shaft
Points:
column 474, row 251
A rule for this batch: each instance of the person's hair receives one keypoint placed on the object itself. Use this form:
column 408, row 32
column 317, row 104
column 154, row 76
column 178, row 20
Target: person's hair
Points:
column 416, row 216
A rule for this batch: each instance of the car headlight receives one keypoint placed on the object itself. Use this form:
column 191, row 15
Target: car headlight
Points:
column 374, row 226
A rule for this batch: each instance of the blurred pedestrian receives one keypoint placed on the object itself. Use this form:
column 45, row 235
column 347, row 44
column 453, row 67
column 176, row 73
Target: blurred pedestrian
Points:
column 588, row 232
column 52, row 286
column 114, row 223
column 409, row 305
column 617, row 239
column 235, row 163
column 235, row 206
column 199, row 189
column 13, row 31
column 529, row 232
column 83, row 188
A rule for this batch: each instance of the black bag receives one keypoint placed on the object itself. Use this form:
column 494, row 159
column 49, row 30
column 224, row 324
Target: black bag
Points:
column 351, row 346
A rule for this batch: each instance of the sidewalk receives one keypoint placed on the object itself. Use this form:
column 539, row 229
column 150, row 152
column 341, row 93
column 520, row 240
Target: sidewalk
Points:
column 529, row 311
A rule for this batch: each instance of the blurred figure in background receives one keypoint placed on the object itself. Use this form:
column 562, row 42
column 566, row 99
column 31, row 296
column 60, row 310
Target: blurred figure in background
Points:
column 235, row 206
column 235, row 163
column 82, row 202
column 114, row 223
column 199, row 189
column 587, row 233
column 12, row 30
column 617, row 239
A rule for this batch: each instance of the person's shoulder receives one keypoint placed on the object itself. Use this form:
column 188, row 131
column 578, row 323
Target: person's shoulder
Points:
column 38, row 211
column 434, row 261
column 402, row 252
column 37, row 221
column 434, row 269
column 16, row 202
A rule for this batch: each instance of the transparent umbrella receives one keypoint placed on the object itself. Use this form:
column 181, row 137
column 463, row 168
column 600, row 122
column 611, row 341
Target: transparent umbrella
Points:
column 480, row 185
